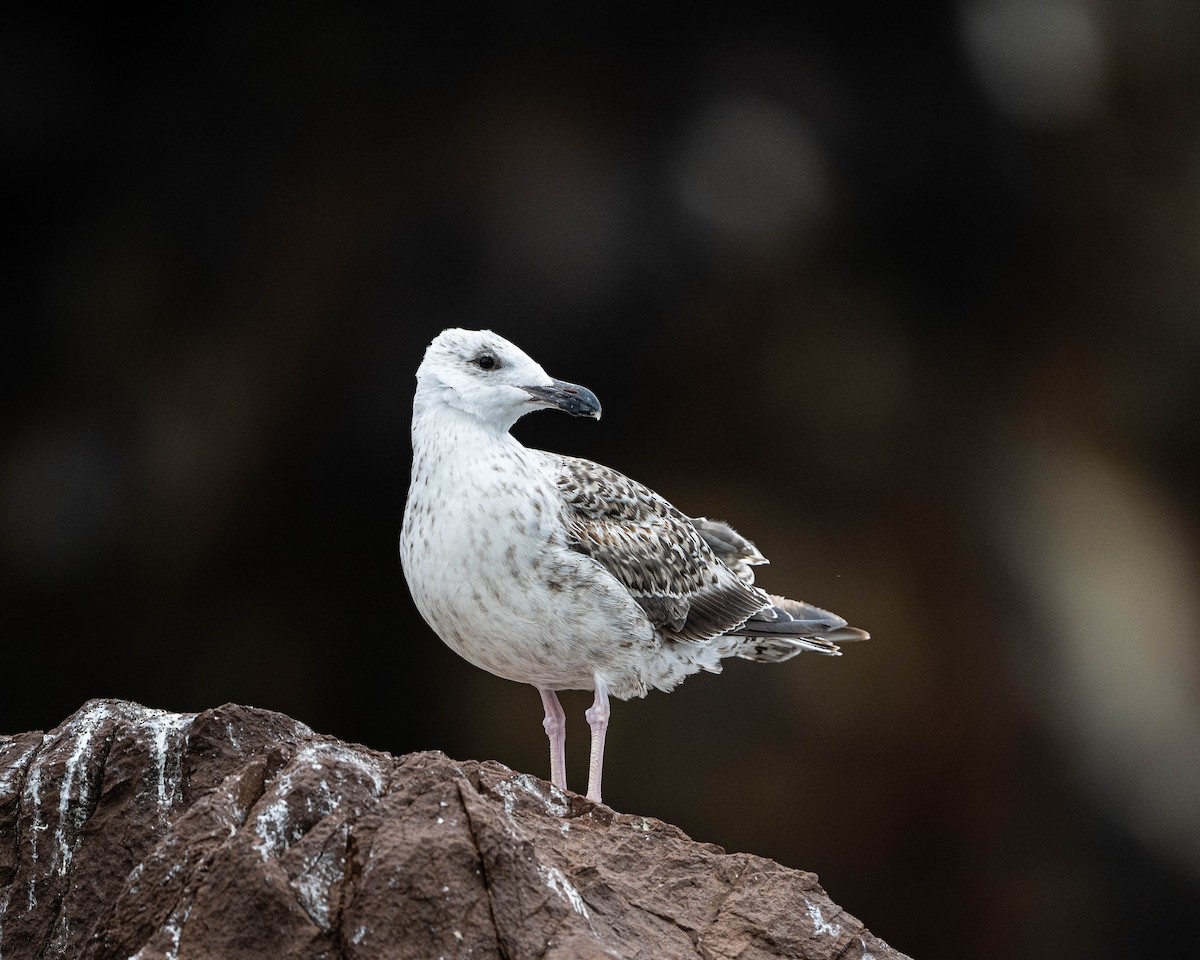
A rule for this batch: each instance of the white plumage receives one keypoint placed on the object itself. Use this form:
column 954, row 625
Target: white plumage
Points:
column 562, row 573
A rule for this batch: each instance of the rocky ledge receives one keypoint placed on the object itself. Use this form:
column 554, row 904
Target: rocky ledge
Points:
column 130, row 833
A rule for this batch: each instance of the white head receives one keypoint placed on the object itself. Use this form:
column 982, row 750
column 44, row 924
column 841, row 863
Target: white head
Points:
column 482, row 374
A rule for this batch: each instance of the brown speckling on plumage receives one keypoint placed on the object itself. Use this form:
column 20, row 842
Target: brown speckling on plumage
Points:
column 655, row 551
column 561, row 572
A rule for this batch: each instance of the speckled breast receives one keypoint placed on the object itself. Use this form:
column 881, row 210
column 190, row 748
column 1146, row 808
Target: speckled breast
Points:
column 489, row 568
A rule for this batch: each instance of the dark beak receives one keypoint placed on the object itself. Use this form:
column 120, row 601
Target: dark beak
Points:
column 569, row 397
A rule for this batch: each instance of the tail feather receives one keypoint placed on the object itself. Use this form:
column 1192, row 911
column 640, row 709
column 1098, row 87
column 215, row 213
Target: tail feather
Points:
column 786, row 627
column 783, row 627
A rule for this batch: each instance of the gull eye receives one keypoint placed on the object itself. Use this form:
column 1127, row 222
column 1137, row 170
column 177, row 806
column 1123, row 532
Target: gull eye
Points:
column 485, row 361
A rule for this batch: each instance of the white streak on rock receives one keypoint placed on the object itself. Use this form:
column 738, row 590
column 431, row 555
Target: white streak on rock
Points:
column 314, row 884
column 83, row 727
column 174, row 930
column 820, row 925
column 370, row 768
column 56, row 946
column 557, row 882
column 33, row 792
column 274, row 824
column 132, row 882
column 162, row 725
column 8, row 777
column 554, row 802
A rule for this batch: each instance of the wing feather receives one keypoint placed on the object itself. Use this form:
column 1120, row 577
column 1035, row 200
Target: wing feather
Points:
column 663, row 557
column 730, row 547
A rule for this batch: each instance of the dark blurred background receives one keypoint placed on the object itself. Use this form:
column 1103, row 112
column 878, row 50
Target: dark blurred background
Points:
column 911, row 300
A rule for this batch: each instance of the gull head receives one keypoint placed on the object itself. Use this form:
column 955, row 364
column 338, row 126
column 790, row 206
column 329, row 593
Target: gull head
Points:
column 482, row 374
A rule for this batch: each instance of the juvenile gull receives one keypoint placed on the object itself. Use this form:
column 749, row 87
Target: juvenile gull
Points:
column 561, row 573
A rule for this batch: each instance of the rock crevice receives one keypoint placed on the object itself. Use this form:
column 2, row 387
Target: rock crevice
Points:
column 132, row 834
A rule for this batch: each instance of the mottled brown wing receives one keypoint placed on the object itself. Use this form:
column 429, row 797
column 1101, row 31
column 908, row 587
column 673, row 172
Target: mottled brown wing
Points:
column 655, row 551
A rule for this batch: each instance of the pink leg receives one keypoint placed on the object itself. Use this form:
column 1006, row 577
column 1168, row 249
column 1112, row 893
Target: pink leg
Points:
column 556, row 730
column 597, row 718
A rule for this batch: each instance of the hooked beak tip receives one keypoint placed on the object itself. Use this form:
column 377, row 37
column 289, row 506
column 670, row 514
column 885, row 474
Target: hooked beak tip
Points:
column 568, row 397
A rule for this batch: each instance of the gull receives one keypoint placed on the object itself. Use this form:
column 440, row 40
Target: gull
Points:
column 562, row 573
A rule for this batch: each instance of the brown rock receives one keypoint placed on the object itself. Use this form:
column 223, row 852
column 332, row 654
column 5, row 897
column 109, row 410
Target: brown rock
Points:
column 132, row 833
